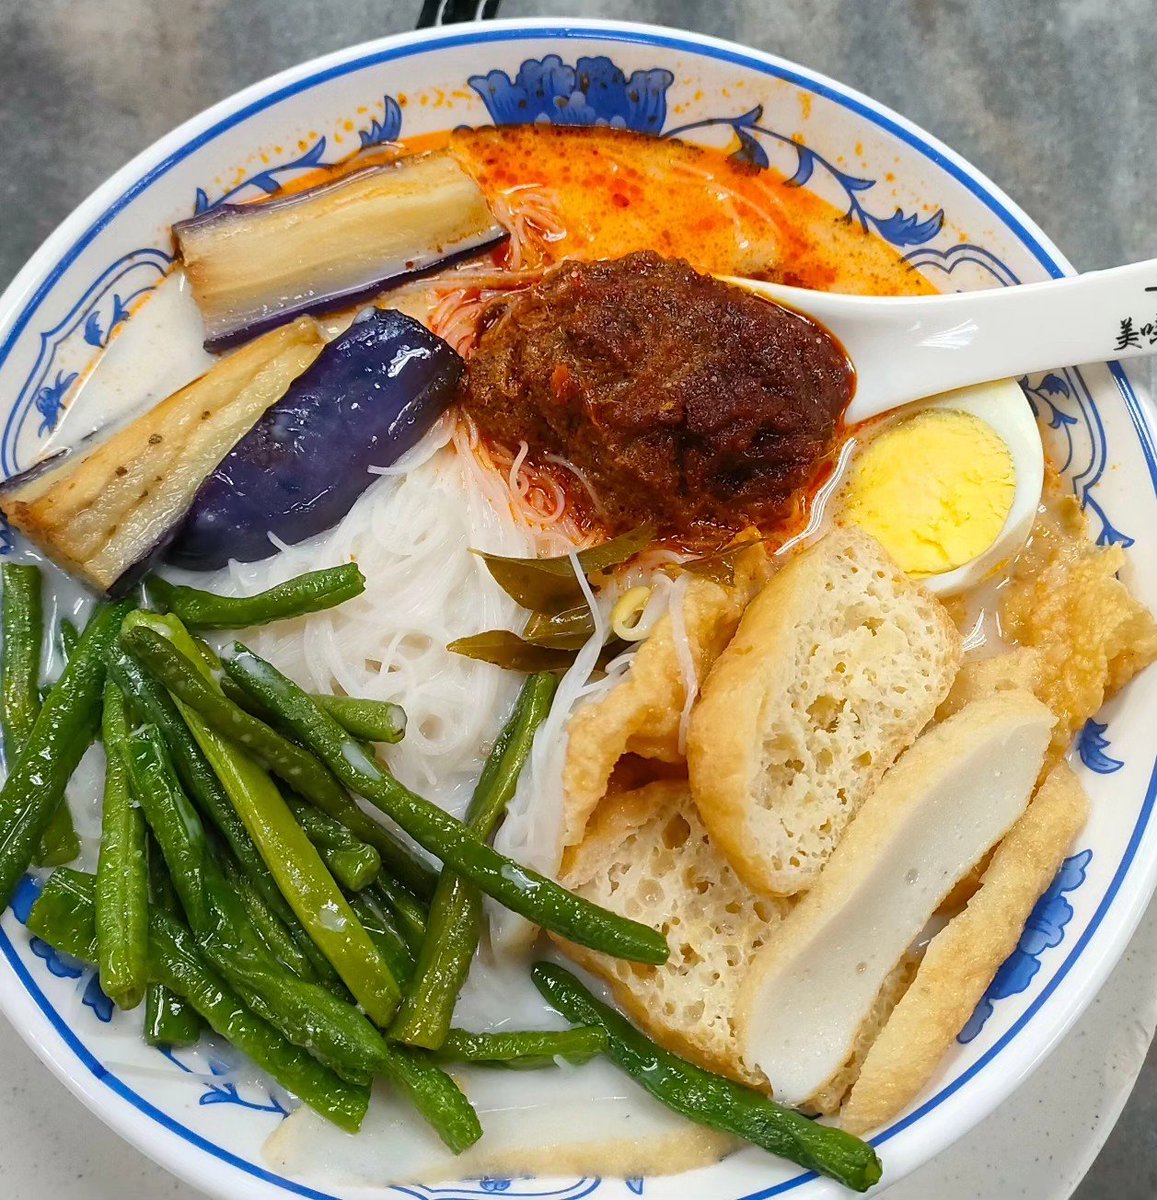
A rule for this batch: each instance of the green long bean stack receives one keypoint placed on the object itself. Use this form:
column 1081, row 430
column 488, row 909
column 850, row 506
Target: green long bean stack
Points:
column 336, row 1033
column 149, row 639
column 333, row 1031
column 303, row 878
column 455, row 918
column 65, row 917
column 291, row 857
column 526, row 892
column 152, row 703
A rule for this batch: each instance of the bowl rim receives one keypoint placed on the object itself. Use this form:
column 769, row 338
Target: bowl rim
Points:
column 1132, row 884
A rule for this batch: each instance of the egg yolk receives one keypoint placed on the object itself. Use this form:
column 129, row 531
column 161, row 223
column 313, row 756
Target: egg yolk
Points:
column 934, row 490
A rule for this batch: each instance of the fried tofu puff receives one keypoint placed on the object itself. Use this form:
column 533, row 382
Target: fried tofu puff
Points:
column 641, row 714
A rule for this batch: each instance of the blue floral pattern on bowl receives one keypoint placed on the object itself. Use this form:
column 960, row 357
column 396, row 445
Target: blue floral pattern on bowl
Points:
column 901, row 229
column 267, row 181
column 508, row 1189
column 592, row 92
column 1092, row 746
column 104, row 305
column 222, row 1090
column 385, row 131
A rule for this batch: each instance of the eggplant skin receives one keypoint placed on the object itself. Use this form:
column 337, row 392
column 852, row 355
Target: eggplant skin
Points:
column 369, row 396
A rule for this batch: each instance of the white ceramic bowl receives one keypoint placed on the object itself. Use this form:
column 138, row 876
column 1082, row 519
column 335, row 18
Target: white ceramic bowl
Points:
column 951, row 222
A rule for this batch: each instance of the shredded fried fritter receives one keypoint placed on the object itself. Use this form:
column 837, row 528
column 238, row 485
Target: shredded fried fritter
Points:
column 1018, row 669
column 1066, row 601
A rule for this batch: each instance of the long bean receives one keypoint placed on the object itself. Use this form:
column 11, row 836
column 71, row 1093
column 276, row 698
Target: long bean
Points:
column 69, row 638
column 171, row 817
column 23, row 628
column 311, row 891
column 122, row 886
column 710, row 1099
column 384, row 932
column 23, row 625
column 58, row 843
column 150, row 638
column 337, row 1034
column 268, row 924
column 152, row 703
column 60, row 735
column 367, row 720
column 170, row 1020
column 517, row 887
column 308, row 593
column 64, row 916
column 352, row 862
column 176, row 962
column 407, row 910
column 305, row 1013
column 455, row 918
column 524, row 1049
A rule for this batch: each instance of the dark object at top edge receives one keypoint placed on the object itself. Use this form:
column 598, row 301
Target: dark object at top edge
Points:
column 454, row 12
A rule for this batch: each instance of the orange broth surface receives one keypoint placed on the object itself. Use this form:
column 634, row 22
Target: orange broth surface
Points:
column 617, row 192
column 602, row 193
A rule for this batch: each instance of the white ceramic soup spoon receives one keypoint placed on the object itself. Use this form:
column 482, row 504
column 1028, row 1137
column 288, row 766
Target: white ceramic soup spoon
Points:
column 906, row 348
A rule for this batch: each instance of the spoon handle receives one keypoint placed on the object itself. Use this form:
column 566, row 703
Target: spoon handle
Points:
column 905, row 348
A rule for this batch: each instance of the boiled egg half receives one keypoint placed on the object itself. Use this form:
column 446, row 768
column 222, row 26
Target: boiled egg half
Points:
column 950, row 485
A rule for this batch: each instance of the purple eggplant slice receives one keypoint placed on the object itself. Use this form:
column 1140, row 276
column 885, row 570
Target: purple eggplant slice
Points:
column 253, row 266
column 107, row 509
column 371, row 395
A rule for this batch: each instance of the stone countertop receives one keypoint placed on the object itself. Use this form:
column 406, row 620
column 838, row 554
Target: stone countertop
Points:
column 1052, row 100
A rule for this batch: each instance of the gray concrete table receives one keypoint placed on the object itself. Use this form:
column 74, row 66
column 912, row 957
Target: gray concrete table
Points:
column 1052, row 98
